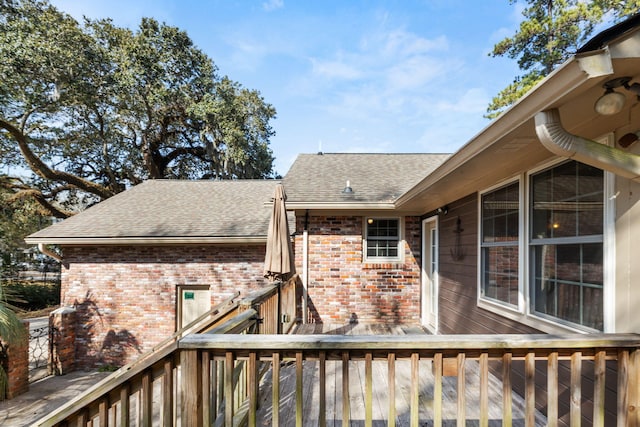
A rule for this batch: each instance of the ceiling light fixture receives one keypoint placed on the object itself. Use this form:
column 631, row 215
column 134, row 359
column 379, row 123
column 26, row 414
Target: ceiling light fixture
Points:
column 612, row 102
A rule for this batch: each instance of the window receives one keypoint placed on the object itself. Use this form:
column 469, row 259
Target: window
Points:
column 543, row 256
column 499, row 244
column 566, row 246
column 383, row 239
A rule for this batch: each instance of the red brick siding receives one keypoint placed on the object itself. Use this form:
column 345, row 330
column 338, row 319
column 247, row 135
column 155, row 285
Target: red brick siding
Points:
column 126, row 296
column 62, row 335
column 16, row 365
column 342, row 287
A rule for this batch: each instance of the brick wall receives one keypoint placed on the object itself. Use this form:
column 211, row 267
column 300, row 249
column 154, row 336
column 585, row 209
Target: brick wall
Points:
column 62, row 338
column 342, row 287
column 16, row 365
column 125, row 297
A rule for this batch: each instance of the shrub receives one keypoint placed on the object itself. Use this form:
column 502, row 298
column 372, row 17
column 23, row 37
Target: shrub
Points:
column 31, row 296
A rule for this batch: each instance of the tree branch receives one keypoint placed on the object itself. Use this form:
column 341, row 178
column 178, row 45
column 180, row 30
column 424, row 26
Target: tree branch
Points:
column 42, row 170
column 47, row 207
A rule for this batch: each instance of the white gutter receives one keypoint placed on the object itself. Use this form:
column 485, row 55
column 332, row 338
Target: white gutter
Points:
column 43, row 249
column 305, row 275
column 562, row 143
column 120, row 241
column 340, row 205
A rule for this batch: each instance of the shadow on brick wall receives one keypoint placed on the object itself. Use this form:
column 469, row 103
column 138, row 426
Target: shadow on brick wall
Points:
column 98, row 344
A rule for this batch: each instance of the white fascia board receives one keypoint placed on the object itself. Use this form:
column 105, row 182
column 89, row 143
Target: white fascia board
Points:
column 339, row 206
column 125, row 241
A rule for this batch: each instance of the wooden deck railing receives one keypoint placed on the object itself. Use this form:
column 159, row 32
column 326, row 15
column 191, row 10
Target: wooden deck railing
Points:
column 218, row 377
column 276, row 307
column 620, row 354
column 148, row 391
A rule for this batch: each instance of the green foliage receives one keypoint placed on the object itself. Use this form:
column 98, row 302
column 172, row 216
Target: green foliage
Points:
column 551, row 32
column 18, row 218
column 512, row 93
column 32, row 296
column 92, row 108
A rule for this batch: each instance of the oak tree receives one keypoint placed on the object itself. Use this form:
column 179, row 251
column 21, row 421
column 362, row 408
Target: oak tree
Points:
column 88, row 109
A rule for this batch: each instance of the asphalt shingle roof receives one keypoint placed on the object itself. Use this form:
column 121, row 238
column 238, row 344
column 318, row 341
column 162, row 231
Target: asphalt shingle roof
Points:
column 174, row 208
column 210, row 210
column 374, row 178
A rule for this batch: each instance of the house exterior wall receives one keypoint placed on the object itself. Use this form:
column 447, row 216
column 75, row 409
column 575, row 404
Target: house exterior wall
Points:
column 459, row 312
column 458, row 276
column 125, row 297
column 343, row 288
column 627, row 231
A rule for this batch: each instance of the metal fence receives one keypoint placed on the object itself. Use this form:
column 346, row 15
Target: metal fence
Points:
column 38, row 350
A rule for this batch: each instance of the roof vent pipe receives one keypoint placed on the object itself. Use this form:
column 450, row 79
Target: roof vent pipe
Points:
column 557, row 140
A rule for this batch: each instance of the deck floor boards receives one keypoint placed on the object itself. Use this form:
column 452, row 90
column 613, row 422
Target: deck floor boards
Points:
column 381, row 387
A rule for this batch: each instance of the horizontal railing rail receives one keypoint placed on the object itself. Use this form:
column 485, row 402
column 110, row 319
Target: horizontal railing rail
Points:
column 149, row 391
column 605, row 352
column 132, row 384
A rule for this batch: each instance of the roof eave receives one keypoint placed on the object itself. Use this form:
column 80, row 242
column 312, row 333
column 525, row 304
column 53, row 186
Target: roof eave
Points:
column 120, row 241
column 340, row 206
column 571, row 75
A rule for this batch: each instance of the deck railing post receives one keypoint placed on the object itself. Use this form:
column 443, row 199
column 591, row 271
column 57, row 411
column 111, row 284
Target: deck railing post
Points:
column 599, row 388
column 530, row 387
column 634, row 389
column 575, row 412
column 552, row 389
column 191, row 387
column 220, row 374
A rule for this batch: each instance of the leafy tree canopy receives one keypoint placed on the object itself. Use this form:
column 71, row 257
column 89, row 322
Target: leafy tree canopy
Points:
column 18, row 218
column 89, row 109
column 551, row 32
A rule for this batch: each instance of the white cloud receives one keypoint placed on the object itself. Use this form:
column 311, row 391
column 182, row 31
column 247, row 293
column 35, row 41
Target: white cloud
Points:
column 335, row 69
column 273, row 5
column 474, row 100
column 400, row 43
column 414, row 72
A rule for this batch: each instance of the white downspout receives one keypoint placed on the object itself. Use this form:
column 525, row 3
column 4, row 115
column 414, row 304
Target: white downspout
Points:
column 557, row 140
column 43, row 249
column 305, row 269
column 305, row 274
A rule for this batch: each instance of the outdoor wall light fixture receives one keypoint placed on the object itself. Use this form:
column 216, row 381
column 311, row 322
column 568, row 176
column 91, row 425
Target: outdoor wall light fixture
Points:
column 369, row 221
column 443, row 210
column 612, row 102
column 628, row 139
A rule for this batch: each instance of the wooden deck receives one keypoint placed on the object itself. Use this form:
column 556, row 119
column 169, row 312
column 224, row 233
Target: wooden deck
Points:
column 382, row 390
column 225, row 376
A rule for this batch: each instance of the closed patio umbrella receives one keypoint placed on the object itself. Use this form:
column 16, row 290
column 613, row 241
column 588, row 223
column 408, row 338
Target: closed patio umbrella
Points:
column 279, row 262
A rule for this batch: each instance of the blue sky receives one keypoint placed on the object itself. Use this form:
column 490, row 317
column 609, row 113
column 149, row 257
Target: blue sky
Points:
column 348, row 76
